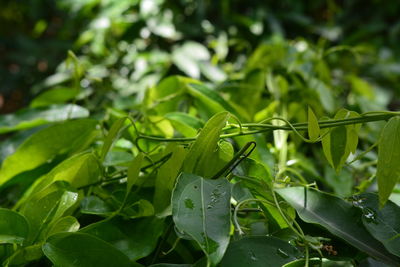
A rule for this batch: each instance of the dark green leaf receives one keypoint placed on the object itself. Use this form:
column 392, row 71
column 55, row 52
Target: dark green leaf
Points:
column 14, row 227
column 337, row 216
column 135, row 238
column 201, row 209
column 259, row 251
column 82, row 250
column 382, row 223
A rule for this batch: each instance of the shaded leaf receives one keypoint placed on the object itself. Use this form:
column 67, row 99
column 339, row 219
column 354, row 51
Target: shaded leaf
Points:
column 259, row 251
column 14, row 228
column 382, row 223
column 135, row 238
column 337, row 216
column 82, row 250
column 388, row 170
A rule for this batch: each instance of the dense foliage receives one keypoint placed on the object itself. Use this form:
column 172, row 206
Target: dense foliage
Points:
column 193, row 133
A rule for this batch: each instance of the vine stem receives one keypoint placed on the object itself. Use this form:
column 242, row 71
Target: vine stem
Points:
column 253, row 128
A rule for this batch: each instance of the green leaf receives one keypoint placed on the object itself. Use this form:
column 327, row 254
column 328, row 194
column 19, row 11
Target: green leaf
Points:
column 339, row 142
column 337, row 216
column 201, row 209
column 197, row 160
column 79, row 170
column 209, row 101
column 47, row 206
column 111, row 136
column 313, row 126
column 82, row 250
column 259, row 251
column 166, row 177
column 95, row 205
column 184, row 123
column 134, row 171
column 382, row 223
column 32, row 117
column 135, row 238
column 64, row 224
column 47, row 143
column 388, row 170
column 55, row 96
column 14, row 228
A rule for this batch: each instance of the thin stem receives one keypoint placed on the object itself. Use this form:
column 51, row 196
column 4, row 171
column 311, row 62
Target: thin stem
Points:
column 254, row 128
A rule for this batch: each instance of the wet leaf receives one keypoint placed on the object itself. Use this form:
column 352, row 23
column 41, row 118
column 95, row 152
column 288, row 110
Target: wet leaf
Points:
column 201, row 209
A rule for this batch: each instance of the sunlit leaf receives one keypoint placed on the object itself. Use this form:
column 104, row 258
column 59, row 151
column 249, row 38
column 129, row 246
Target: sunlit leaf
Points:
column 201, row 209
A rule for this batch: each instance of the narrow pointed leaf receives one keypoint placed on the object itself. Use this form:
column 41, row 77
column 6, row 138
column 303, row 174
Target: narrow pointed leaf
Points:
column 388, row 170
column 313, row 126
column 111, row 136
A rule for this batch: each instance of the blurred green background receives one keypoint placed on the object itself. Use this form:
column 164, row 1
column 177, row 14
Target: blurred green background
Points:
column 123, row 47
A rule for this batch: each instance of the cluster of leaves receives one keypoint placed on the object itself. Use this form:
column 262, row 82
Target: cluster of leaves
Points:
column 119, row 160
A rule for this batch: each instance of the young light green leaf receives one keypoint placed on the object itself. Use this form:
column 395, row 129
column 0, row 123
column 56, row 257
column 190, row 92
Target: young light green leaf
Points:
column 14, row 228
column 47, row 206
column 79, row 170
column 32, row 117
column 134, row 171
column 197, row 160
column 82, row 250
column 54, row 96
column 201, row 209
column 337, row 216
column 388, row 170
column 256, row 251
column 313, row 126
column 166, row 177
column 184, row 123
column 47, row 143
column 111, row 136
column 64, row 224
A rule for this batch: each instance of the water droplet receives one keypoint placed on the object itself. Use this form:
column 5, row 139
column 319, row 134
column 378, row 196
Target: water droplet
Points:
column 282, row 253
column 189, row 203
column 253, row 256
column 369, row 215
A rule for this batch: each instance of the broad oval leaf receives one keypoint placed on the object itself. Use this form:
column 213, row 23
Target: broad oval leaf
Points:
column 82, row 250
column 47, row 143
column 337, row 216
column 14, row 228
column 259, row 251
column 388, row 170
column 201, row 209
